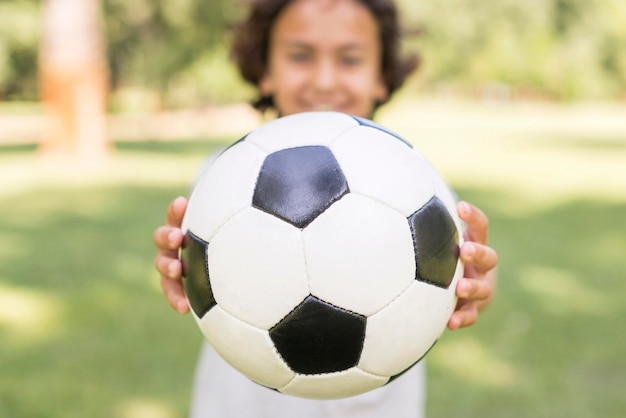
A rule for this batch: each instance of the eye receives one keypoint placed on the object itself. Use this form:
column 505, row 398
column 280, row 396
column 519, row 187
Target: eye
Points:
column 351, row 60
column 299, row 56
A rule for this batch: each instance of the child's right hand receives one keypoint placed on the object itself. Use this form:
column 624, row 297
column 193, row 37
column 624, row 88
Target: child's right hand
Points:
column 168, row 240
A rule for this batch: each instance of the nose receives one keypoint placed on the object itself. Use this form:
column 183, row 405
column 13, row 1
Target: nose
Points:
column 325, row 76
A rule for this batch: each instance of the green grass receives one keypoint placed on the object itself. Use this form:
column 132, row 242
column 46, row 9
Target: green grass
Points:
column 551, row 345
column 84, row 327
column 86, row 332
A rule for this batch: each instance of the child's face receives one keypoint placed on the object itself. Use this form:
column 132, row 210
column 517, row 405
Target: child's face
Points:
column 324, row 55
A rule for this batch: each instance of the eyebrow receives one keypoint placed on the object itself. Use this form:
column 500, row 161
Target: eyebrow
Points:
column 347, row 47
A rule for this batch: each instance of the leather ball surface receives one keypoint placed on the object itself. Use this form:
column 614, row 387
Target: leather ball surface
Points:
column 321, row 255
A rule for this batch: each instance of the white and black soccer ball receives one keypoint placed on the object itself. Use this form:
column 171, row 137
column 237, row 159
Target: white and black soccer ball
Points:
column 321, row 255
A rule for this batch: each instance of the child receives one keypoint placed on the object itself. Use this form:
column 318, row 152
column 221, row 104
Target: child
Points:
column 305, row 55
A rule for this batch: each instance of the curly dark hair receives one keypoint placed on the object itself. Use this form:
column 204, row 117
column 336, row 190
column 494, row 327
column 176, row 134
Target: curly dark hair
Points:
column 252, row 35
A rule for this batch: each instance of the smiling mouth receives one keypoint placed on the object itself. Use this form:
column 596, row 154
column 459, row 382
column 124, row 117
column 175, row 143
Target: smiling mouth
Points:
column 325, row 108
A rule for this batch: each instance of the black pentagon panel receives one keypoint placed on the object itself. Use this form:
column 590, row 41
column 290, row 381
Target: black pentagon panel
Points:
column 436, row 242
column 298, row 184
column 196, row 274
column 317, row 337
column 372, row 124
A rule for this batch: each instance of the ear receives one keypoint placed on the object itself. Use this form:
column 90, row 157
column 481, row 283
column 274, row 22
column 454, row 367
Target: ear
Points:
column 266, row 86
column 381, row 92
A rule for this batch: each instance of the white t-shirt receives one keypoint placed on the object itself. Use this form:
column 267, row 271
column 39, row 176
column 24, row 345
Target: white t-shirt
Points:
column 220, row 391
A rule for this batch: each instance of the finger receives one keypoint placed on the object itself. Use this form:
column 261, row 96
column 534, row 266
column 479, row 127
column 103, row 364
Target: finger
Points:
column 175, row 212
column 168, row 267
column 476, row 221
column 474, row 289
column 465, row 316
column 167, row 238
column 175, row 294
column 481, row 257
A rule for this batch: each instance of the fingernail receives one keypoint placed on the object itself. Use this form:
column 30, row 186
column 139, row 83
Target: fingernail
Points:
column 171, row 269
column 464, row 208
column 454, row 323
column 470, row 249
column 463, row 289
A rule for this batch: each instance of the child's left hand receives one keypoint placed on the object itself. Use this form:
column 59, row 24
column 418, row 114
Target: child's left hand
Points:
column 476, row 289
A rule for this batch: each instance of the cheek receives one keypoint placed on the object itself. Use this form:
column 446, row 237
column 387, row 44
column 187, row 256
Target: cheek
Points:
column 287, row 89
column 284, row 95
column 364, row 88
column 287, row 78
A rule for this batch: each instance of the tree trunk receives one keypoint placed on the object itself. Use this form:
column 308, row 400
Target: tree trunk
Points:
column 74, row 81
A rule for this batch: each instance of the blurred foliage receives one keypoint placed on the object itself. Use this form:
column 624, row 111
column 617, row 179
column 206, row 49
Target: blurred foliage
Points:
column 176, row 53
column 19, row 36
column 562, row 49
column 161, row 45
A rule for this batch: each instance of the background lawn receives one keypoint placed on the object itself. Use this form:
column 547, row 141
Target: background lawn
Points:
column 86, row 332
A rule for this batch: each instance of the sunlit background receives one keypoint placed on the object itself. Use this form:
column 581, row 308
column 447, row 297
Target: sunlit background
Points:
column 107, row 109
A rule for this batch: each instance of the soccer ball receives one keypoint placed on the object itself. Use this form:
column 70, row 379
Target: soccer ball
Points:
column 321, row 254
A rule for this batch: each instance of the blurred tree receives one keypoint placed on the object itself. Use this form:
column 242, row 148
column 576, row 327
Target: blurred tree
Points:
column 19, row 37
column 73, row 80
column 178, row 50
column 563, row 49
column 152, row 42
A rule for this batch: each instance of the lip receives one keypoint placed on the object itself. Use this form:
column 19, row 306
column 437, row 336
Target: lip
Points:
column 324, row 107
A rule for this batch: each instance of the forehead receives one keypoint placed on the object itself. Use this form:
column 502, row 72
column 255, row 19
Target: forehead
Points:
column 326, row 22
